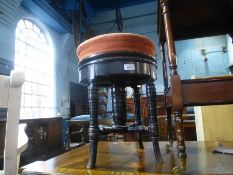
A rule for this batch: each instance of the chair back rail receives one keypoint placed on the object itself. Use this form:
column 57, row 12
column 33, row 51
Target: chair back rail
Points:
column 10, row 92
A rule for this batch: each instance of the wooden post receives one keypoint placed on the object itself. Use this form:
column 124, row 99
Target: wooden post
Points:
column 93, row 127
column 177, row 100
column 165, row 81
column 164, row 64
column 169, row 37
column 138, row 121
column 153, row 124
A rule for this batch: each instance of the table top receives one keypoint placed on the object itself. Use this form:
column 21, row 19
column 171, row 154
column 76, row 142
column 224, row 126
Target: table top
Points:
column 126, row 158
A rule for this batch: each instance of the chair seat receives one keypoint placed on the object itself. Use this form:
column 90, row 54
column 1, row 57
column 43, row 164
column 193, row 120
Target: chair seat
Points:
column 116, row 42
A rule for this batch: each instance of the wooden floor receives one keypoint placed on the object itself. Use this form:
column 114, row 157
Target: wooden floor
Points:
column 125, row 158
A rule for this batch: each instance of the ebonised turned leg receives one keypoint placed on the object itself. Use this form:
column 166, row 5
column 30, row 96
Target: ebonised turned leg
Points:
column 153, row 125
column 138, row 121
column 119, row 105
column 93, row 127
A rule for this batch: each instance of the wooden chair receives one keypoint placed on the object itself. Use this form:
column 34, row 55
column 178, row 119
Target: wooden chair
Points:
column 185, row 19
column 15, row 138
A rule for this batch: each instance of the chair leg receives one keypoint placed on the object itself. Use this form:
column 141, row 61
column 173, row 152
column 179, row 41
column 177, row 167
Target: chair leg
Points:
column 138, row 114
column 153, row 125
column 93, row 127
column 180, row 134
column 180, row 143
column 170, row 127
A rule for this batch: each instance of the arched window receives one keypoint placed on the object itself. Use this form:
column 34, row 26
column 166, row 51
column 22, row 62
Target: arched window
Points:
column 34, row 54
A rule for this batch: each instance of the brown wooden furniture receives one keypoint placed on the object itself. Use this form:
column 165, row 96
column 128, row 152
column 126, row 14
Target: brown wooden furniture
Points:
column 2, row 137
column 160, row 106
column 44, row 139
column 161, row 111
column 189, row 124
column 125, row 158
column 182, row 19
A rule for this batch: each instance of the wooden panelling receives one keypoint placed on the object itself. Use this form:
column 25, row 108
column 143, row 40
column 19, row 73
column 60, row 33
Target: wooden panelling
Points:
column 44, row 139
column 2, row 135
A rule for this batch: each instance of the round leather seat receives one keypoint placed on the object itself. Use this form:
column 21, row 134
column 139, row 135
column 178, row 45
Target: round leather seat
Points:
column 116, row 42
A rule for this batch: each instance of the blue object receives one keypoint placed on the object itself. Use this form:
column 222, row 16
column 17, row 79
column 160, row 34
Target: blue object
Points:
column 104, row 5
column 90, row 11
column 81, row 118
column 130, row 116
column 72, row 5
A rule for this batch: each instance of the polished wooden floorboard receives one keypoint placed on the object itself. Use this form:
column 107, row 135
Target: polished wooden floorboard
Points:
column 125, row 158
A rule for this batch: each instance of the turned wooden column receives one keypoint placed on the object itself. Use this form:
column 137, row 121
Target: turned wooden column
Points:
column 119, row 105
column 169, row 37
column 138, row 120
column 93, row 127
column 164, row 64
column 177, row 101
column 153, row 124
column 179, row 134
column 165, row 81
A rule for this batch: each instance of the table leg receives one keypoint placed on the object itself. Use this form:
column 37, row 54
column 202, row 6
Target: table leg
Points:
column 180, row 143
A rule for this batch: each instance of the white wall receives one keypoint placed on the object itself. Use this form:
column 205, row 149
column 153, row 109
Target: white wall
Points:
column 65, row 70
column 230, row 49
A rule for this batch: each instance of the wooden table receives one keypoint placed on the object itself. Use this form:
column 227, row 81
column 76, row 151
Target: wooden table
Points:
column 197, row 18
column 125, row 158
column 186, row 19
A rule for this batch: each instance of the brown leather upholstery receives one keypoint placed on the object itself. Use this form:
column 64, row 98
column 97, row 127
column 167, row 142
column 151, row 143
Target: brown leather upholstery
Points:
column 115, row 42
